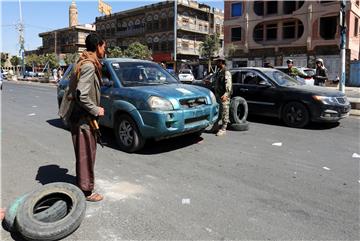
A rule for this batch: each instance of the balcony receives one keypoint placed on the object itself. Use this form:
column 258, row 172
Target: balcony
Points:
column 192, row 24
column 188, row 47
column 130, row 32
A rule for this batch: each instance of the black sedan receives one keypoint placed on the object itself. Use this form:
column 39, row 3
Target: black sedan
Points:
column 270, row 92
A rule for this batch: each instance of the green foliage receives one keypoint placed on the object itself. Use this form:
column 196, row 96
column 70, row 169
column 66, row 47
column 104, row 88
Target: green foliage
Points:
column 32, row 60
column 137, row 50
column 115, row 52
column 210, row 47
column 71, row 58
column 52, row 59
column 3, row 59
column 230, row 50
column 15, row 60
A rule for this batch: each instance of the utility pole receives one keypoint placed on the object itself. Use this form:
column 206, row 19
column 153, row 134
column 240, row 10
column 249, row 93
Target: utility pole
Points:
column 342, row 43
column 175, row 34
column 20, row 28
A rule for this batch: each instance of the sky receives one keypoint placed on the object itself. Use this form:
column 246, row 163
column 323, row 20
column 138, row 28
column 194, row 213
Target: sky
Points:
column 42, row 16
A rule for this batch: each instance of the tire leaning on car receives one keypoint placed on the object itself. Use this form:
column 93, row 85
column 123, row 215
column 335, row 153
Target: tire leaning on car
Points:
column 32, row 229
column 238, row 114
column 127, row 134
column 295, row 114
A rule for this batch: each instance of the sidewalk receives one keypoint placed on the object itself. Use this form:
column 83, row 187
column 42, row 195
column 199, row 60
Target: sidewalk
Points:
column 353, row 94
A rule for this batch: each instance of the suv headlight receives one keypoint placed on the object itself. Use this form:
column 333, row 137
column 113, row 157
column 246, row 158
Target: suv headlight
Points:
column 325, row 99
column 213, row 98
column 158, row 103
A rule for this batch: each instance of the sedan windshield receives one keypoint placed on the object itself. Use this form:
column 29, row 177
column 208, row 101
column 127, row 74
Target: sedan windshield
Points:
column 281, row 78
column 185, row 71
column 137, row 74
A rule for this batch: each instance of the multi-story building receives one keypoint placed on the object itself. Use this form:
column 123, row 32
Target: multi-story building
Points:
column 273, row 31
column 153, row 25
column 65, row 40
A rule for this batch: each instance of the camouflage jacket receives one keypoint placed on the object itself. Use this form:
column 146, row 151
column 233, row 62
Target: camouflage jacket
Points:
column 223, row 83
column 293, row 72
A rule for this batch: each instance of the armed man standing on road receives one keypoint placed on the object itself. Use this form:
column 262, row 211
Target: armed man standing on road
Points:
column 292, row 71
column 86, row 89
column 223, row 91
column 320, row 76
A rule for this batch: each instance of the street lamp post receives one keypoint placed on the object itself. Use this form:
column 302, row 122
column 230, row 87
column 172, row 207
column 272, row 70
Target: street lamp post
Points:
column 342, row 44
column 175, row 34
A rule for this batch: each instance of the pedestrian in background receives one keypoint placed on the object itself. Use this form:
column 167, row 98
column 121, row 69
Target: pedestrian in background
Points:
column 55, row 74
column 223, row 91
column 86, row 89
column 320, row 76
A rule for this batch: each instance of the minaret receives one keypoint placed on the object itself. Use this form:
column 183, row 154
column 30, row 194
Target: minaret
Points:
column 73, row 14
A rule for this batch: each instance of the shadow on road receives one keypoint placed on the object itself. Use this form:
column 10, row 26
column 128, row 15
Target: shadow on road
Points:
column 54, row 173
column 151, row 147
column 57, row 123
column 277, row 122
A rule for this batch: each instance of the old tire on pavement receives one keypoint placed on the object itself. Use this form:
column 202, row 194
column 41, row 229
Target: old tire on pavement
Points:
column 238, row 110
column 239, row 126
column 295, row 114
column 33, row 229
column 127, row 134
column 51, row 210
column 11, row 212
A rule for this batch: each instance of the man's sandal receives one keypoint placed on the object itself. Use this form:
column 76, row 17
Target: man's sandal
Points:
column 94, row 197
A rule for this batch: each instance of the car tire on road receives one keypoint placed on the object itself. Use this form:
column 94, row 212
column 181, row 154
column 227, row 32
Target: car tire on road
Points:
column 11, row 211
column 127, row 134
column 51, row 211
column 295, row 114
column 33, row 229
column 239, row 126
column 238, row 110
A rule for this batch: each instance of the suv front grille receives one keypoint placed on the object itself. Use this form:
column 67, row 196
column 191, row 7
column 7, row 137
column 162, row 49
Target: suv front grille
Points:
column 190, row 103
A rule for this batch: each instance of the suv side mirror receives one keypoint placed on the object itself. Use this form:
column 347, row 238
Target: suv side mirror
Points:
column 106, row 82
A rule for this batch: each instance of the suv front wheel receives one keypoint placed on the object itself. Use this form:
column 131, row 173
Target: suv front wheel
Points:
column 127, row 134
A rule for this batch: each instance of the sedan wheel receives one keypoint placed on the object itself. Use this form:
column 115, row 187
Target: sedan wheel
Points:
column 295, row 115
column 127, row 135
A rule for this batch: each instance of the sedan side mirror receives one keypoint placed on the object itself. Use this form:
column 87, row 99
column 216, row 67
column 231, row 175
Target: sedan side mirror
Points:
column 264, row 83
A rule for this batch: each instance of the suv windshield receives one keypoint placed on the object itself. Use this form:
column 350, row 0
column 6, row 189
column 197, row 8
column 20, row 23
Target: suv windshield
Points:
column 281, row 78
column 137, row 74
column 185, row 71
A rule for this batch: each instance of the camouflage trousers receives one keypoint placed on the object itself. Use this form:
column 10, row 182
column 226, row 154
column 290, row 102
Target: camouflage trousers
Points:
column 224, row 111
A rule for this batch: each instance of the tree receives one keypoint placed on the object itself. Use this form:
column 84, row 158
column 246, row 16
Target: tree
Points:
column 137, row 50
column 15, row 61
column 71, row 58
column 3, row 59
column 115, row 52
column 52, row 59
column 230, row 50
column 32, row 60
column 210, row 48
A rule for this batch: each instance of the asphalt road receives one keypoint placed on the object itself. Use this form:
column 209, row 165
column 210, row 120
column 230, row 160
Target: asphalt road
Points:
column 239, row 186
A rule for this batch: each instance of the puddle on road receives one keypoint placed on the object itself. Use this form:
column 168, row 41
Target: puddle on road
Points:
column 115, row 191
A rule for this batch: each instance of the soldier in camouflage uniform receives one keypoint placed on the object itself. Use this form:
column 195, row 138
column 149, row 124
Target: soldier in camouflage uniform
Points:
column 223, row 90
column 293, row 72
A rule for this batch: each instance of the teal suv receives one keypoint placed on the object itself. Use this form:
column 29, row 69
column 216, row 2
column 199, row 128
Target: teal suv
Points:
column 143, row 101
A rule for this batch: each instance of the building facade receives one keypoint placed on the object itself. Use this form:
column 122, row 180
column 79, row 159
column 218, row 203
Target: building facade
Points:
column 153, row 25
column 274, row 31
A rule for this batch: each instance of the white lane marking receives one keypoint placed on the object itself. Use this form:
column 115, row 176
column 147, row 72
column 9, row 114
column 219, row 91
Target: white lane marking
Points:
column 34, row 106
column 208, row 229
column 185, row 201
column 277, row 144
column 355, row 155
column 326, row 168
column 32, row 114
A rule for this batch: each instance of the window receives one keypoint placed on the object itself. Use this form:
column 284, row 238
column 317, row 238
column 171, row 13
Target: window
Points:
column 236, row 9
column 289, row 7
column 328, row 26
column 289, row 30
column 236, row 34
column 272, row 7
column 356, row 27
column 271, row 32
column 259, row 33
column 164, row 46
column 217, row 28
column 259, row 8
column 300, row 29
column 156, row 47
